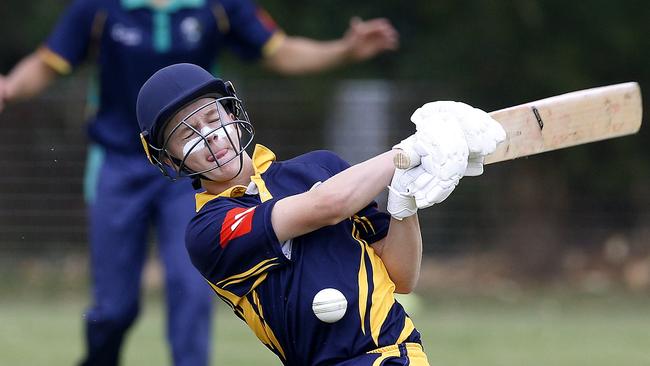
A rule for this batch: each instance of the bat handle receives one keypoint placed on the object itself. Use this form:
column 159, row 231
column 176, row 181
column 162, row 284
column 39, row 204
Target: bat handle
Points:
column 404, row 160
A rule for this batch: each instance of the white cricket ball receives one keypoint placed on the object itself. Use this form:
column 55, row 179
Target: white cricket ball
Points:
column 329, row 305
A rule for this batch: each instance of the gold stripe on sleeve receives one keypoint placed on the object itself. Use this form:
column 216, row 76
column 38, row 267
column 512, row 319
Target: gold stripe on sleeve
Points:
column 273, row 44
column 369, row 224
column 357, row 219
column 54, row 60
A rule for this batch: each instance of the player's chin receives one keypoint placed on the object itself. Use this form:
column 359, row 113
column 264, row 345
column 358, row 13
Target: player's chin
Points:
column 225, row 172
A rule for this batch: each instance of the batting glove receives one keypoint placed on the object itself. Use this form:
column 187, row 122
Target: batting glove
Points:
column 401, row 202
column 482, row 133
column 443, row 160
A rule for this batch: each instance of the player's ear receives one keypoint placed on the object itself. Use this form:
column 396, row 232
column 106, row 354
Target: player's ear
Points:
column 167, row 160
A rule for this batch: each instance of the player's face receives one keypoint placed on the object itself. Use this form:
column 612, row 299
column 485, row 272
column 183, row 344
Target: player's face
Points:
column 203, row 138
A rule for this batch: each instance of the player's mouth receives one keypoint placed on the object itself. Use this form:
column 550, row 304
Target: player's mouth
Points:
column 218, row 155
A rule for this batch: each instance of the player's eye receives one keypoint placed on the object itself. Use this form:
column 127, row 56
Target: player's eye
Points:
column 188, row 132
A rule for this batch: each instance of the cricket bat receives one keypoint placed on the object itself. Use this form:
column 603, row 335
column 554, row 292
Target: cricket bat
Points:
column 562, row 121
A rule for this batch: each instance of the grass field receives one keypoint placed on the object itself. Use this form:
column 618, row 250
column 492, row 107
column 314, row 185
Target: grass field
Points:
column 536, row 329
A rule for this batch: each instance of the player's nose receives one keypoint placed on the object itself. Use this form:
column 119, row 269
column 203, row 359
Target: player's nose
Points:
column 209, row 133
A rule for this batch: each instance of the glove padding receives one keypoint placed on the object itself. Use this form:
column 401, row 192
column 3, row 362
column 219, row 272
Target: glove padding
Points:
column 482, row 133
column 431, row 182
column 400, row 205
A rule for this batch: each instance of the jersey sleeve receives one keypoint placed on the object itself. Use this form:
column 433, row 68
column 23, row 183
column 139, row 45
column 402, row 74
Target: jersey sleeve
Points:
column 234, row 246
column 372, row 223
column 67, row 45
column 252, row 33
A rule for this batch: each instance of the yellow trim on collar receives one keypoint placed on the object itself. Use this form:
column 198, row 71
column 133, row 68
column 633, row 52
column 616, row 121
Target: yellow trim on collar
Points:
column 273, row 44
column 54, row 60
column 262, row 159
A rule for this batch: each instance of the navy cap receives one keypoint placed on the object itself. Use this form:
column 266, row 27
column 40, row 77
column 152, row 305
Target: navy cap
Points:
column 170, row 89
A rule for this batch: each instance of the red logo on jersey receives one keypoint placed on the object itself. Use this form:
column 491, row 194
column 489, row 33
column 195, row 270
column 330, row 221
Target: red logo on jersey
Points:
column 238, row 222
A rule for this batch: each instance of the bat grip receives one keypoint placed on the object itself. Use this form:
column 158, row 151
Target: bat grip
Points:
column 404, row 160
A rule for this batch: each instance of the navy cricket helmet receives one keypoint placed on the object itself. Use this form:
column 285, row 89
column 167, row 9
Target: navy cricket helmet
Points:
column 173, row 88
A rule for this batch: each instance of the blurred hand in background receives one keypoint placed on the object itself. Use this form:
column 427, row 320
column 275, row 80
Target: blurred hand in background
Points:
column 366, row 39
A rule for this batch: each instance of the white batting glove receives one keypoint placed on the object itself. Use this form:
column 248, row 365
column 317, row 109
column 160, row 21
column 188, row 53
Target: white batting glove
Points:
column 401, row 202
column 482, row 133
column 400, row 205
column 443, row 162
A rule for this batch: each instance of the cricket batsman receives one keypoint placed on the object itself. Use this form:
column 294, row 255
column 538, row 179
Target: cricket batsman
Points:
column 298, row 248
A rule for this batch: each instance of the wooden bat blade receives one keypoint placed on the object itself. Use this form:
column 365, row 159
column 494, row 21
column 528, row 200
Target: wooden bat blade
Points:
column 568, row 120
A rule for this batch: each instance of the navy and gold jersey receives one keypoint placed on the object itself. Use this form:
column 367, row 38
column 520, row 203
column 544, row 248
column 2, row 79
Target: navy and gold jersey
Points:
column 132, row 39
column 271, row 285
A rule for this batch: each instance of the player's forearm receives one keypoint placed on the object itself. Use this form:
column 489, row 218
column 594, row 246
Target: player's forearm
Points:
column 333, row 201
column 349, row 191
column 298, row 55
column 28, row 78
column 401, row 252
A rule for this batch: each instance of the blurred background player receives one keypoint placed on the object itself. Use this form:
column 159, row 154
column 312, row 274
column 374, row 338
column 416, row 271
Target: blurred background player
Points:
column 270, row 236
column 130, row 40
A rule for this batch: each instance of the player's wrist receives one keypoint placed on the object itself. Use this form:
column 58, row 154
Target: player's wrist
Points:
column 400, row 205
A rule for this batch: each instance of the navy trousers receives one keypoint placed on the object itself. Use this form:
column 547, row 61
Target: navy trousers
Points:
column 131, row 197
